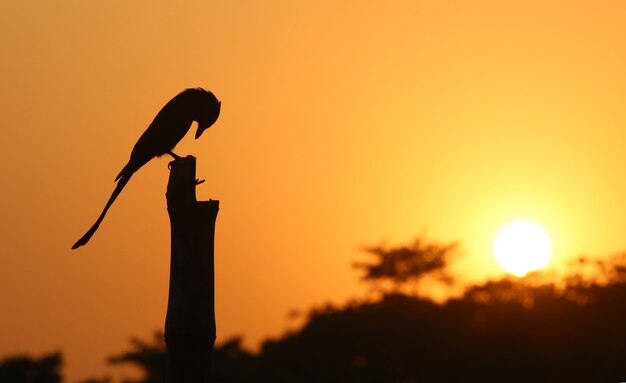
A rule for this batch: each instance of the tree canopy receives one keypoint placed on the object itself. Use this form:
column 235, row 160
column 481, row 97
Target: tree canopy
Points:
column 405, row 263
column 511, row 329
column 29, row 369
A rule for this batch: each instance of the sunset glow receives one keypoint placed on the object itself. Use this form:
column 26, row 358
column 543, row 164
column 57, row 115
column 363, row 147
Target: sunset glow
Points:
column 342, row 124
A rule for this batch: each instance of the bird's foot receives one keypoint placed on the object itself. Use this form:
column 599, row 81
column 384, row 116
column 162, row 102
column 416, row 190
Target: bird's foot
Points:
column 174, row 155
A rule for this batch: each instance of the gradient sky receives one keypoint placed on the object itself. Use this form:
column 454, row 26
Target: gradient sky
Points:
column 343, row 124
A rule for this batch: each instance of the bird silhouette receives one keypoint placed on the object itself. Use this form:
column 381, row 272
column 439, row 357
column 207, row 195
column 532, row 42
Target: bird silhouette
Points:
column 169, row 127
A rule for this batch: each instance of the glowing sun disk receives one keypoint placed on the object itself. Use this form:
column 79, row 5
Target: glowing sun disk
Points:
column 521, row 247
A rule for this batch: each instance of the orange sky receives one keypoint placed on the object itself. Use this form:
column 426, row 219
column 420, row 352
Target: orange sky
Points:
column 342, row 125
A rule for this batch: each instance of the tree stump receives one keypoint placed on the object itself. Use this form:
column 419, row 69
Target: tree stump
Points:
column 190, row 329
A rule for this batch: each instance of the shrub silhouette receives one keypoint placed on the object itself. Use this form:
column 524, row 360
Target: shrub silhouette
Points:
column 28, row 369
column 513, row 330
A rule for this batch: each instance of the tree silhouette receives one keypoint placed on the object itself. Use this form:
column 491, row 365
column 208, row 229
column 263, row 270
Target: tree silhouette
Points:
column 104, row 379
column 148, row 356
column 231, row 362
column 28, row 369
column 408, row 339
column 511, row 329
column 401, row 264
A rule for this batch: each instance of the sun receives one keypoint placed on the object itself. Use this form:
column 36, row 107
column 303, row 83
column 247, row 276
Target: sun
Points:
column 522, row 246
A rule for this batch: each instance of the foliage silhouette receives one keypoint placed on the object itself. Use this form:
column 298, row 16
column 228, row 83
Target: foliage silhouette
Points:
column 148, row 356
column 512, row 329
column 401, row 264
column 28, row 369
column 105, row 379
column 232, row 363
column 407, row 339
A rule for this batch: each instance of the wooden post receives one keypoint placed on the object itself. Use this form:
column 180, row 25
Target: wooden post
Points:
column 190, row 322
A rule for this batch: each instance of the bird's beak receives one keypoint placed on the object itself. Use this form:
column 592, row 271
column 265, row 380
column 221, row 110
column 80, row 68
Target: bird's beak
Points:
column 199, row 131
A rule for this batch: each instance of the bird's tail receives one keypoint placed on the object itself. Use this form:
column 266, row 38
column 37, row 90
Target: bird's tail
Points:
column 123, row 178
column 128, row 170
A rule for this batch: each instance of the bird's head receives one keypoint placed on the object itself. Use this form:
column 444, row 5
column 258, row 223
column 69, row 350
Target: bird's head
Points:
column 207, row 110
